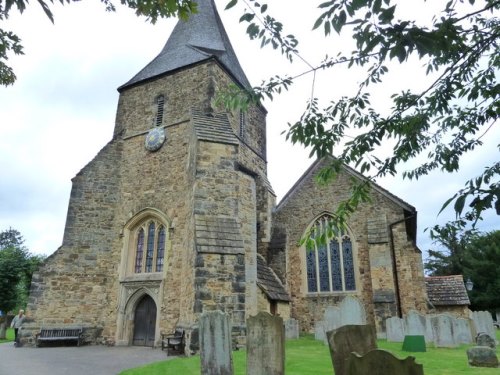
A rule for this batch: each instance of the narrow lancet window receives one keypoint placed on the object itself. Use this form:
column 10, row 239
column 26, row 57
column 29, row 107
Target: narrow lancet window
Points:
column 160, row 251
column 139, row 251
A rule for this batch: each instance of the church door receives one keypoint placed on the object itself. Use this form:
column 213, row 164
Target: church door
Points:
column 145, row 322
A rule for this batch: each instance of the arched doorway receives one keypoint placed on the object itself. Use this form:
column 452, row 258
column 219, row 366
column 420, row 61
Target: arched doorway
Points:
column 144, row 322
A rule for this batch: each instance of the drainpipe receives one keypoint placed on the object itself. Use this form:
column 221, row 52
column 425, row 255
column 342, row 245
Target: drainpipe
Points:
column 394, row 265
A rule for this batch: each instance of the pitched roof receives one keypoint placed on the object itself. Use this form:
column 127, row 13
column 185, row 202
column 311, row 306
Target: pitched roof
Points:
column 406, row 206
column 269, row 282
column 447, row 290
column 201, row 37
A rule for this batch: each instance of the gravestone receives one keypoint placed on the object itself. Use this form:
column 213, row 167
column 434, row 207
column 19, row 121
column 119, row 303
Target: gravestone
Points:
column 291, row 329
column 352, row 311
column 462, row 333
column 442, row 329
column 414, row 324
column 381, row 362
column 414, row 344
column 265, row 345
column 319, row 331
column 331, row 317
column 483, row 322
column 395, row 329
column 482, row 356
column 350, row 338
column 483, row 339
column 215, row 344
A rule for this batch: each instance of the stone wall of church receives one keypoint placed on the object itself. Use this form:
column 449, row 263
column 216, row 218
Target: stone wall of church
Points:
column 375, row 284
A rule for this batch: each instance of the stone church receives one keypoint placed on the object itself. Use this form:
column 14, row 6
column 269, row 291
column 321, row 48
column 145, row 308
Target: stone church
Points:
column 176, row 216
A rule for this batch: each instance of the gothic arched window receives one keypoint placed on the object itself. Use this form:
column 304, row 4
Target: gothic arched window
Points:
column 330, row 264
column 151, row 234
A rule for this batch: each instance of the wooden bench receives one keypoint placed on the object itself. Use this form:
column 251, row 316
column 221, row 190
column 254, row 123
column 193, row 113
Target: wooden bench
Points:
column 59, row 334
column 173, row 342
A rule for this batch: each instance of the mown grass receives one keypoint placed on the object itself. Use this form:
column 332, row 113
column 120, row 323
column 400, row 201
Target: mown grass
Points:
column 306, row 356
column 9, row 336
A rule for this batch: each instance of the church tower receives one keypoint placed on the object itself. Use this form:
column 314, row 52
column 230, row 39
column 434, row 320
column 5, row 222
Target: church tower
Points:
column 165, row 222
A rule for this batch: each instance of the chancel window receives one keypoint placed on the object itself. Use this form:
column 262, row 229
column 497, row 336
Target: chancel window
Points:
column 330, row 263
column 150, row 247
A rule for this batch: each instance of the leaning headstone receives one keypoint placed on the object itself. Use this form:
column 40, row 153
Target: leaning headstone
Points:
column 215, row 344
column 381, row 362
column 346, row 339
column 462, row 333
column 352, row 311
column 483, row 322
column 291, row 329
column 319, row 331
column 483, row 339
column 395, row 329
column 442, row 328
column 482, row 356
column 265, row 345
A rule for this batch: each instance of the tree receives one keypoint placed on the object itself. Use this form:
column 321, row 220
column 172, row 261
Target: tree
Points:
column 16, row 268
column 454, row 242
column 443, row 122
column 482, row 266
column 11, row 43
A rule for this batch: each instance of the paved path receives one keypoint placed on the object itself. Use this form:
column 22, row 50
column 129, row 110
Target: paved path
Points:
column 72, row 360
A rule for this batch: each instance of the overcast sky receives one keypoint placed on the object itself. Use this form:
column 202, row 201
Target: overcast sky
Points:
column 61, row 110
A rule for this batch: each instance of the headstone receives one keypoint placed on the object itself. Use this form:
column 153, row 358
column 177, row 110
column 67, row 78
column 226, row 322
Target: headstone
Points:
column 319, row 331
column 331, row 317
column 415, row 324
column 482, row 356
column 483, row 322
column 265, row 345
column 215, row 344
column 462, row 333
column 352, row 311
column 395, row 329
column 381, row 362
column 350, row 338
column 483, row 339
column 291, row 329
column 442, row 328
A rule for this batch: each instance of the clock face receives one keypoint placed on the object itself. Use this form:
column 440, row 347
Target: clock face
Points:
column 155, row 139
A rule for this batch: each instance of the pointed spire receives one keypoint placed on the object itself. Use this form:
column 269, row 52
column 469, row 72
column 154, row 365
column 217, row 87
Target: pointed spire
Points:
column 199, row 38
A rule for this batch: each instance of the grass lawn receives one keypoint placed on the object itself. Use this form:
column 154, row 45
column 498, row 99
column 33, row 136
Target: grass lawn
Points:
column 307, row 356
column 9, row 334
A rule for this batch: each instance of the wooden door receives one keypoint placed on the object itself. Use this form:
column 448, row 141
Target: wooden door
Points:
column 145, row 322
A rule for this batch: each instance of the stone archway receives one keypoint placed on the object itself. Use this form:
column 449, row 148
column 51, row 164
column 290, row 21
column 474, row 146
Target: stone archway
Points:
column 131, row 296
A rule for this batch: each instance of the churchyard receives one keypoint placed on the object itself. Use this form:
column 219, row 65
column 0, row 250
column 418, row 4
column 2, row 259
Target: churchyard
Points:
column 309, row 356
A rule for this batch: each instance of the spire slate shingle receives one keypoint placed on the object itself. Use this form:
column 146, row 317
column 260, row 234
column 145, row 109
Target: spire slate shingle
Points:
column 199, row 38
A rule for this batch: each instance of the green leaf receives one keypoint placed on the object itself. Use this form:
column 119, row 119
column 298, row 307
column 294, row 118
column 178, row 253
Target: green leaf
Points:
column 231, row 4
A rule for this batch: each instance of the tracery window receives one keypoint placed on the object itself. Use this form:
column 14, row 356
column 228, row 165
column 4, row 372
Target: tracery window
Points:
column 330, row 265
column 151, row 235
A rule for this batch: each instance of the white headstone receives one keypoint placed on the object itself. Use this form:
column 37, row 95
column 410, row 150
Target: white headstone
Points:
column 462, row 332
column 291, row 329
column 352, row 311
column 442, row 327
column 395, row 329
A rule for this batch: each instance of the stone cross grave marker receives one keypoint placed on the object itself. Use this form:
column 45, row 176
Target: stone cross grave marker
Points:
column 265, row 345
column 215, row 344
column 381, row 362
column 350, row 338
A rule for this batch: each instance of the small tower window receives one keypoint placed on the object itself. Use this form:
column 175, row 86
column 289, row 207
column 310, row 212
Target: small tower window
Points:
column 242, row 124
column 160, row 106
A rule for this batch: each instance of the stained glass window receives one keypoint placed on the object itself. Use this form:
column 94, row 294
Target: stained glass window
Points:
column 330, row 266
column 139, row 251
column 349, row 279
column 160, row 249
column 311, row 270
column 151, row 247
column 336, row 265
